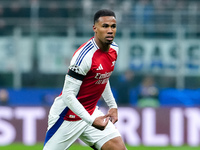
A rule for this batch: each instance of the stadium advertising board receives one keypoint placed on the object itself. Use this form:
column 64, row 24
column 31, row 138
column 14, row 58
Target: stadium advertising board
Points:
column 143, row 55
column 148, row 126
column 160, row 55
column 15, row 54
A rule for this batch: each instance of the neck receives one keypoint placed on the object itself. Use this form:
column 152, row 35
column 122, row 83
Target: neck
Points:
column 103, row 46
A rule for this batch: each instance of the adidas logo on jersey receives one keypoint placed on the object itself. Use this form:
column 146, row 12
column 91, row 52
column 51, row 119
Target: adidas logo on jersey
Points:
column 100, row 67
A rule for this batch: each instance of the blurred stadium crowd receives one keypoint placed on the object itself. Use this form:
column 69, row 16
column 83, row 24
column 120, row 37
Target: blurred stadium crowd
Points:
column 155, row 19
column 145, row 17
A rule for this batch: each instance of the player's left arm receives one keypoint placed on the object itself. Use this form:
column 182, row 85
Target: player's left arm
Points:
column 110, row 100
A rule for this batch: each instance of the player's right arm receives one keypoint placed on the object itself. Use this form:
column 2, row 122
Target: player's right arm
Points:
column 78, row 69
column 70, row 90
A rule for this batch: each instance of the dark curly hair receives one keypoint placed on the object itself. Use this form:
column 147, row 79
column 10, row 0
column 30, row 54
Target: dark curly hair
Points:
column 103, row 12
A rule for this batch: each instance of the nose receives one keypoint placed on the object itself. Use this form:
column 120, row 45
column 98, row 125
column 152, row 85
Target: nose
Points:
column 110, row 30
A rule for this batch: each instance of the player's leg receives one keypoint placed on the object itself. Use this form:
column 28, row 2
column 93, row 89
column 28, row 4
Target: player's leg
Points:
column 109, row 138
column 60, row 133
column 62, row 137
column 114, row 144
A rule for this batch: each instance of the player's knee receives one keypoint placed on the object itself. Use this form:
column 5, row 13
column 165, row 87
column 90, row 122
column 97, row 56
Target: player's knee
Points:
column 114, row 144
column 119, row 146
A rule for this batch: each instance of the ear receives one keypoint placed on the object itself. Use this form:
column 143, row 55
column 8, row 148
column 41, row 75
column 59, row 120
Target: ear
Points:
column 94, row 28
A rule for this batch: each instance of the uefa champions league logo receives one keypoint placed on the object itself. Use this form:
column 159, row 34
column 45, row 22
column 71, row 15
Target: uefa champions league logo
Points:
column 74, row 68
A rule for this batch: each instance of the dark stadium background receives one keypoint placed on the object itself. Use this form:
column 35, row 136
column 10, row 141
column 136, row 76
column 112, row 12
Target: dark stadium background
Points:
column 157, row 75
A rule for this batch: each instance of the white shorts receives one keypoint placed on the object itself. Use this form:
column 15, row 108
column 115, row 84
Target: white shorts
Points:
column 65, row 134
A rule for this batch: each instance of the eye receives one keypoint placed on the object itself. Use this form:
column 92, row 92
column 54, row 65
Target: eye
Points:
column 113, row 26
column 105, row 25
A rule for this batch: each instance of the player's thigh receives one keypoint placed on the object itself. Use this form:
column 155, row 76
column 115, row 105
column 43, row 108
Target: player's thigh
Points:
column 114, row 144
column 95, row 137
column 64, row 136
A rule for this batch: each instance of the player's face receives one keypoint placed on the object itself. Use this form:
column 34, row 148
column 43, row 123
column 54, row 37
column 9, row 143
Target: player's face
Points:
column 105, row 29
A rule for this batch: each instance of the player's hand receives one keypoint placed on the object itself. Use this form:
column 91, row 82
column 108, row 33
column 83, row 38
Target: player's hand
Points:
column 113, row 114
column 101, row 122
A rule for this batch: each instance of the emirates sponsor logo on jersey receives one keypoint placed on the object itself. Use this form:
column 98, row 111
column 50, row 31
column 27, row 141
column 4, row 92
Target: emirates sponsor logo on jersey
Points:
column 102, row 78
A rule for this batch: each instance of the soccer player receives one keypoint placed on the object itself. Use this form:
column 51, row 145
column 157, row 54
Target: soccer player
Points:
column 74, row 113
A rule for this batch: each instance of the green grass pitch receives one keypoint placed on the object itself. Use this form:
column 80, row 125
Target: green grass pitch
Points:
column 18, row 146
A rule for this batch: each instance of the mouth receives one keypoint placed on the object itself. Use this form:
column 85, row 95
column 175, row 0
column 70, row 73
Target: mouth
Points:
column 109, row 38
